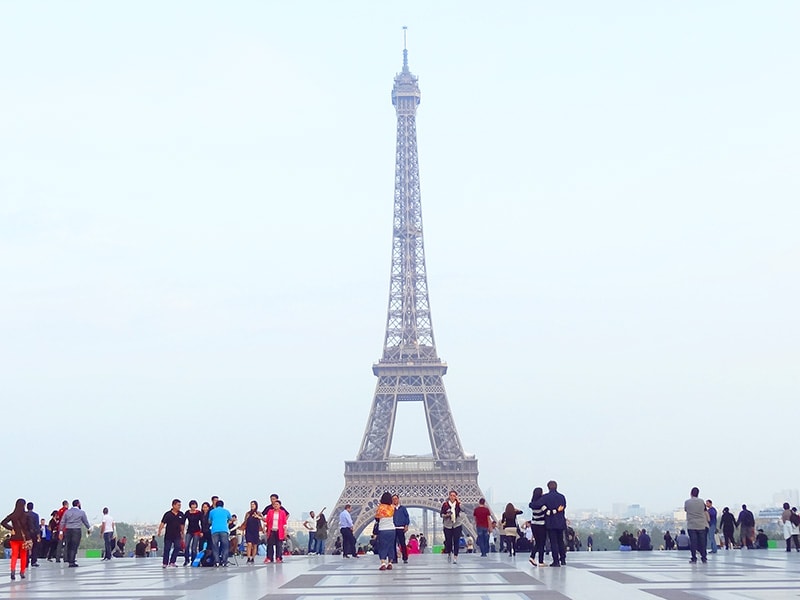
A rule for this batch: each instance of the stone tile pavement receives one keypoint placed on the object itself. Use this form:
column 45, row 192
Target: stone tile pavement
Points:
column 731, row 575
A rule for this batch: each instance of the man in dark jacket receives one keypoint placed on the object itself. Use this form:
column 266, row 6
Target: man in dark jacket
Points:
column 747, row 527
column 401, row 522
column 555, row 521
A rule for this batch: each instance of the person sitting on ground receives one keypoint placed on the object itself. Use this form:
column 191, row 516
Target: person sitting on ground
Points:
column 762, row 541
column 140, row 551
column 682, row 540
column 413, row 544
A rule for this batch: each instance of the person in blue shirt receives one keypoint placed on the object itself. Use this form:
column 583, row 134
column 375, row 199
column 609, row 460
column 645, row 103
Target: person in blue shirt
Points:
column 401, row 522
column 218, row 518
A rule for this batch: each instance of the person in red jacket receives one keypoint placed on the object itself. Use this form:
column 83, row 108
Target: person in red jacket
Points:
column 275, row 526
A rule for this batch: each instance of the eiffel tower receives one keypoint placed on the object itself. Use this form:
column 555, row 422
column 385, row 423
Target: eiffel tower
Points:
column 410, row 369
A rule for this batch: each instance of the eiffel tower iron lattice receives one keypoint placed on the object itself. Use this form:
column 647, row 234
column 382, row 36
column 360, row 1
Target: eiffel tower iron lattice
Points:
column 410, row 369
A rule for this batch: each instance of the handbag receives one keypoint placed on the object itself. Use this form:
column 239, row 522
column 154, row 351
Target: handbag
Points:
column 28, row 545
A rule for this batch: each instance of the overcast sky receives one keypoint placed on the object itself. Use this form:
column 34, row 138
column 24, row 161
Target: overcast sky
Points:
column 195, row 235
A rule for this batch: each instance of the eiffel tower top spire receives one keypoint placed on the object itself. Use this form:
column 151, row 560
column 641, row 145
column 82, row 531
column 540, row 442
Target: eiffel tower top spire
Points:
column 409, row 330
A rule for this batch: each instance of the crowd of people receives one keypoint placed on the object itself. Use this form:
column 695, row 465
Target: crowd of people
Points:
column 207, row 535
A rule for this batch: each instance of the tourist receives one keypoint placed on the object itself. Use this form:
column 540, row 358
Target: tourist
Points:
column 218, row 519
column 401, row 523
column 153, row 547
column 508, row 522
column 70, row 529
column 696, row 522
column 21, row 540
column 311, row 526
column 712, row 526
column 45, row 536
column 727, row 523
column 322, row 531
column 205, row 525
column 384, row 523
column 482, row 516
column 107, row 531
column 747, row 527
column 59, row 543
column 36, row 538
column 346, row 529
column 171, row 526
column 682, row 540
column 790, row 527
column 194, row 533
column 537, row 524
column 452, row 522
column 556, row 522
column 275, row 525
column 762, row 541
column 413, row 544
column 140, row 550
column 253, row 527
column 669, row 543
column 644, row 542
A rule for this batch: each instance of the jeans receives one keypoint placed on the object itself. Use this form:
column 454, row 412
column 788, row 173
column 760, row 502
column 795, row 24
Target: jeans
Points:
column 348, row 541
column 385, row 541
column 320, row 546
column 452, row 535
column 697, row 542
column 274, row 546
column 558, row 549
column 192, row 543
column 72, row 537
column 539, row 541
column 712, row 543
column 400, row 540
column 173, row 544
column 312, row 541
column 483, row 540
column 108, row 540
column 220, row 543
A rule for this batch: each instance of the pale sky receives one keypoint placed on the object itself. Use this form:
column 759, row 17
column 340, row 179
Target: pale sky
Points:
column 195, row 234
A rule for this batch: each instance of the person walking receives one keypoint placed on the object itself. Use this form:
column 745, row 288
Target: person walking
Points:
column 171, row 526
column 36, row 537
column 483, row 519
column 538, row 510
column 508, row 522
column 21, row 537
column 346, row 529
column 556, row 522
column 70, row 530
column 401, row 523
column 696, row 522
column 747, row 527
column 727, row 523
column 107, row 531
column 452, row 522
column 384, row 523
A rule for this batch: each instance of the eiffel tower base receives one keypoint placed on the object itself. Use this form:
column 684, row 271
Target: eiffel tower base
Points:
column 421, row 482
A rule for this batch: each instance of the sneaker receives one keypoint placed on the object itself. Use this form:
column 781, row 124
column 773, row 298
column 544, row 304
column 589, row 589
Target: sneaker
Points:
column 22, row 575
column 278, row 560
column 692, row 561
column 73, row 564
column 704, row 560
column 555, row 564
column 162, row 566
column 450, row 557
column 405, row 560
column 13, row 576
column 267, row 561
column 542, row 564
column 389, row 566
column 533, row 562
column 382, row 568
column 455, row 559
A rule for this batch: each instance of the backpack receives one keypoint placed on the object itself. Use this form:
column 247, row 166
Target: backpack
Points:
column 795, row 519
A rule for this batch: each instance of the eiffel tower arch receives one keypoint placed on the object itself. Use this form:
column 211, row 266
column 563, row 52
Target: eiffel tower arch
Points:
column 410, row 369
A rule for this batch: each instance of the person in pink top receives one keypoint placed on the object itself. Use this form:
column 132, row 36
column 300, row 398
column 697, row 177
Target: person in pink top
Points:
column 275, row 526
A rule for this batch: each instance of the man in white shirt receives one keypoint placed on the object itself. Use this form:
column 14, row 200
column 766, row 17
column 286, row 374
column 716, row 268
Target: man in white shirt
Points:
column 311, row 526
column 107, row 529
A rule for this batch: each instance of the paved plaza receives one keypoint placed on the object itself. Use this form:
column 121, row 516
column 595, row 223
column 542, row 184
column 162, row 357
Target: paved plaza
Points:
column 733, row 575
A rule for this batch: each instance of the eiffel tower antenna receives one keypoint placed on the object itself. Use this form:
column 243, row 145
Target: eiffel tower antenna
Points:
column 409, row 369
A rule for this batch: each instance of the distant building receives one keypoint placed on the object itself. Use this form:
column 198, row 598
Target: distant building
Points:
column 635, row 511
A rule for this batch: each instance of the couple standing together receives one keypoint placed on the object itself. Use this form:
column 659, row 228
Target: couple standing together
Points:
column 548, row 521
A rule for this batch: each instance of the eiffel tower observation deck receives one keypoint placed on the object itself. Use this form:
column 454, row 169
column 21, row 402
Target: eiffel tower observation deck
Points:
column 410, row 369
